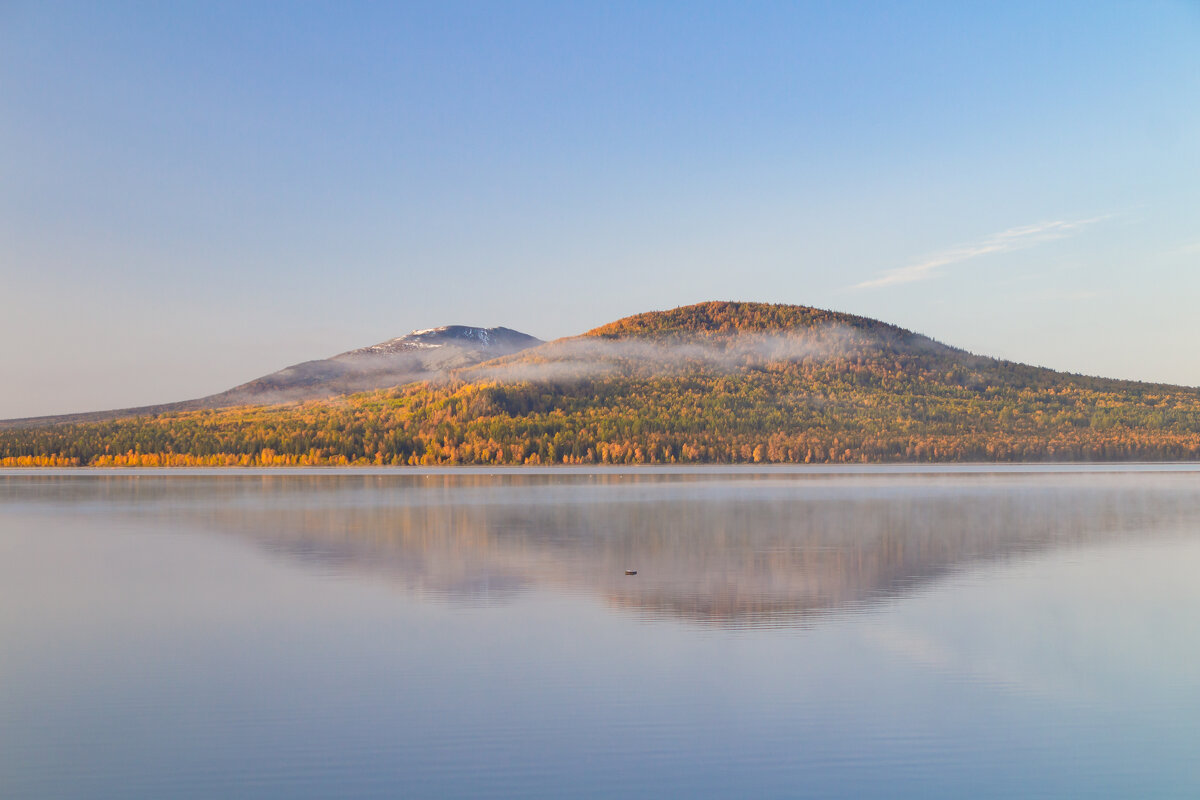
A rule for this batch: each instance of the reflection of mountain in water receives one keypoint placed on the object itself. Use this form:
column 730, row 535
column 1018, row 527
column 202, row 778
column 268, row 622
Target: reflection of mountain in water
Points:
column 758, row 549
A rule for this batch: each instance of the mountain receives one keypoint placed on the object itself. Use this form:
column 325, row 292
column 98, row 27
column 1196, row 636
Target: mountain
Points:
column 709, row 383
column 721, row 337
column 420, row 356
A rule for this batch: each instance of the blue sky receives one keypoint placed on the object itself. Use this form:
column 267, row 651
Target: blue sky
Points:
column 192, row 195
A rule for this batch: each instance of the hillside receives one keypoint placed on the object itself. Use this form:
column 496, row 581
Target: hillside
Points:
column 710, row 383
column 424, row 355
column 724, row 319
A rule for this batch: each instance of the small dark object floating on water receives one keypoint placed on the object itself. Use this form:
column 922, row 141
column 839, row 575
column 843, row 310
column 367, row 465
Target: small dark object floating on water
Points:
column 631, row 572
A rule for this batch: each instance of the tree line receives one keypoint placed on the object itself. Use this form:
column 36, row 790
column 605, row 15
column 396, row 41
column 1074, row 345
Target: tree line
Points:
column 893, row 406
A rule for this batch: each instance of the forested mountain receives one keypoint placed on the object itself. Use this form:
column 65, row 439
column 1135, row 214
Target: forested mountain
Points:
column 420, row 356
column 423, row 355
column 714, row 382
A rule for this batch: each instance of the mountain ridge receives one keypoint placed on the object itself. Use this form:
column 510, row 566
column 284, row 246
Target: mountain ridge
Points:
column 708, row 383
column 420, row 355
column 725, row 324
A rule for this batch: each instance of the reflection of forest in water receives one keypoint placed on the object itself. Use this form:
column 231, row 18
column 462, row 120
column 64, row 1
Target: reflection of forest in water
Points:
column 746, row 550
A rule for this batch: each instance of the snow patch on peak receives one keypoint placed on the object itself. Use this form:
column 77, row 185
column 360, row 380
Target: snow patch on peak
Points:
column 482, row 335
column 498, row 341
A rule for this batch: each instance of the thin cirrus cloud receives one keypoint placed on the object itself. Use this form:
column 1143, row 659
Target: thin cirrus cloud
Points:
column 1017, row 238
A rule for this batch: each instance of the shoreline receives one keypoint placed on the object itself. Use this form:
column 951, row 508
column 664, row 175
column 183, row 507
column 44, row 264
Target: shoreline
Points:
column 937, row 468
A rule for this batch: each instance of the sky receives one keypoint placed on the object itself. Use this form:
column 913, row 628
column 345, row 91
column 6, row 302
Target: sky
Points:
column 196, row 194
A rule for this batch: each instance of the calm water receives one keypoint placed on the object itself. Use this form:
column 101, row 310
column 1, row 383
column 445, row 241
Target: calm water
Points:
column 801, row 633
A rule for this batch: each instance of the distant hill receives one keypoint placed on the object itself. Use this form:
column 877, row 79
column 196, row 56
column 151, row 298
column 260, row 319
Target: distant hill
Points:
column 420, row 356
column 724, row 337
column 742, row 339
column 708, row 383
column 725, row 319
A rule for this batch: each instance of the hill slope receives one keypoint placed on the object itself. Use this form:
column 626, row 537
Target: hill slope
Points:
column 715, row 382
column 420, row 356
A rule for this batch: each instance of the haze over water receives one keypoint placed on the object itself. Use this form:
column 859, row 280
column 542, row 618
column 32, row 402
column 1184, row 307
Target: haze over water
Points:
column 885, row 632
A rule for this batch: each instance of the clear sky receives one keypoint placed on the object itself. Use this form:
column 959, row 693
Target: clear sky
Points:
column 194, row 194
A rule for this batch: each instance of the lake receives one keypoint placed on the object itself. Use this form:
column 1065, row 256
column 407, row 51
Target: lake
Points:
column 920, row 632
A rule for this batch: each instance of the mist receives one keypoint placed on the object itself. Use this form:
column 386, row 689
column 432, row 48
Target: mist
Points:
column 591, row 357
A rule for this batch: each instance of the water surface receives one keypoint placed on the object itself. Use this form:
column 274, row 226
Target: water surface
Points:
column 942, row 632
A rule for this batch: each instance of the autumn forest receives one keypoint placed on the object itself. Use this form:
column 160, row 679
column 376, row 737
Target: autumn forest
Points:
column 711, row 383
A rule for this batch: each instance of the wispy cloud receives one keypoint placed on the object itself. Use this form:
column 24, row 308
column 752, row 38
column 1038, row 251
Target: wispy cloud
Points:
column 1017, row 238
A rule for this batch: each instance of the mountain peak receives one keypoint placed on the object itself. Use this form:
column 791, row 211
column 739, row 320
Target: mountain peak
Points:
column 503, row 340
column 727, row 318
